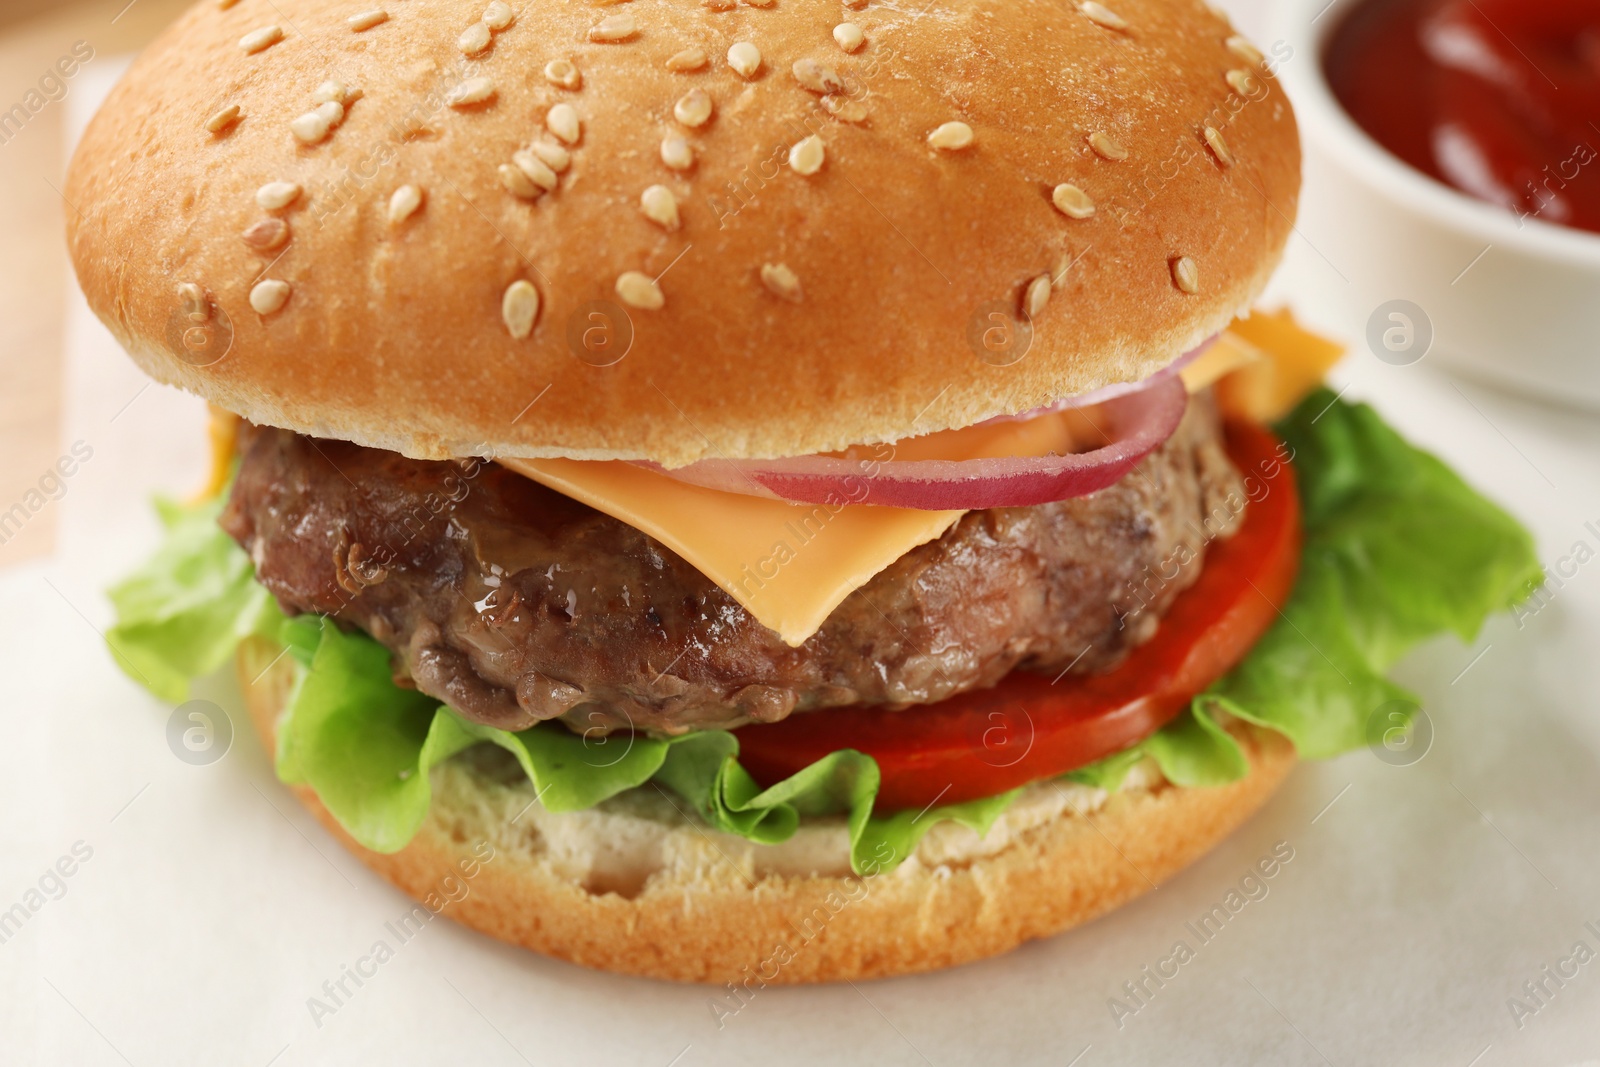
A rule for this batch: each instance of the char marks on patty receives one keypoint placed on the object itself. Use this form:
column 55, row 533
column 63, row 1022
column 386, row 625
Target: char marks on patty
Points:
column 513, row 603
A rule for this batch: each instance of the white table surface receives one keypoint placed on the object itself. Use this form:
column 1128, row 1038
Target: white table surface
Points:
column 212, row 906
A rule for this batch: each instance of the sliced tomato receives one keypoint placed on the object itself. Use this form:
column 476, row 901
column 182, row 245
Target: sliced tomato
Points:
column 1029, row 727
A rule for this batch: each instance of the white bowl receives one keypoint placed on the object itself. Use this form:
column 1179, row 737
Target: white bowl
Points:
column 1516, row 304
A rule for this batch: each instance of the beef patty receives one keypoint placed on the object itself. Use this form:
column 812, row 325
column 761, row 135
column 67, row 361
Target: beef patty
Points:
column 513, row 603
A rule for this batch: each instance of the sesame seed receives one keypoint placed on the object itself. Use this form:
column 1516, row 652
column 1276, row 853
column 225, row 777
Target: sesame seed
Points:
column 331, row 112
column 1072, row 201
column 760, row 3
column 562, row 120
column 498, row 15
column 367, row 19
column 474, row 39
column 276, row 195
column 1106, row 147
column 719, row 5
column 265, row 235
column 336, row 91
column 1246, row 51
column 1219, row 147
column 563, row 73
column 470, row 92
column 744, row 58
column 269, row 295
column 613, row 28
column 1185, row 275
column 849, row 36
column 537, row 170
column 676, row 152
column 640, row 291
column 818, row 77
column 310, row 128
column 781, row 282
column 687, row 60
column 1101, row 15
column 855, row 5
column 257, row 40
column 519, row 308
column 1243, row 82
column 518, row 183
column 660, row 206
column 693, row 109
column 223, row 119
column 951, row 137
column 845, row 109
column 1036, row 296
column 552, row 155
column 403, row 203
column 806, row 157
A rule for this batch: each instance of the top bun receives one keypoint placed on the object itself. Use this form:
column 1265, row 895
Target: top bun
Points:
column 901, row 259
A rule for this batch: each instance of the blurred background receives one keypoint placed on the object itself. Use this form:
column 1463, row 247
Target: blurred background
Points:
column 34, row 273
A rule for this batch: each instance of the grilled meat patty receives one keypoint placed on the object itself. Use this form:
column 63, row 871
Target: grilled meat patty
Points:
column 513, row 603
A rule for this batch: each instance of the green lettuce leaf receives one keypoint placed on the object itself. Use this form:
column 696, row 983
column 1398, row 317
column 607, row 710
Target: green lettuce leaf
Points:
column 887, row 840
column 181, row 615
column 367, row 746
column 1397, row 549
column 1192, row 750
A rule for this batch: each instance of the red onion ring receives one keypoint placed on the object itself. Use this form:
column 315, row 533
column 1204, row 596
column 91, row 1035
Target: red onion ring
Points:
column 1134, row 423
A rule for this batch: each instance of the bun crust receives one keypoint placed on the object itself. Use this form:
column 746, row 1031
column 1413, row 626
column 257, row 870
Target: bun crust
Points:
column 392, row 334
column 713, row 924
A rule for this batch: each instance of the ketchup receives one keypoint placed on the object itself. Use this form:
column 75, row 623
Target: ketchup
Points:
column 1499, row 98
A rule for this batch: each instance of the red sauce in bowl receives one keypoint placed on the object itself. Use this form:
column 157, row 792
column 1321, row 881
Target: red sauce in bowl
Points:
column 1499, row 98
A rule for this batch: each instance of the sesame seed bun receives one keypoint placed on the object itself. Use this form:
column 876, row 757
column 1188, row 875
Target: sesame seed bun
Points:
column 706, row 912
column 846, row 218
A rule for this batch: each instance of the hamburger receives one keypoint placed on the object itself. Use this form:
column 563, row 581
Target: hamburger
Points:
column 758, row 492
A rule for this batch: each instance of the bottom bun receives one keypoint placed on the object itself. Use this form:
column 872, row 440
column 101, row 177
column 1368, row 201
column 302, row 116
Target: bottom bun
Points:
column 701, row 911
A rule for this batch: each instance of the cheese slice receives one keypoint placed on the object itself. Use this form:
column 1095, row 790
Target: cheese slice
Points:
column 222, row 430
column 1227, row 354
column 789, row 565
column 1292, row 361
